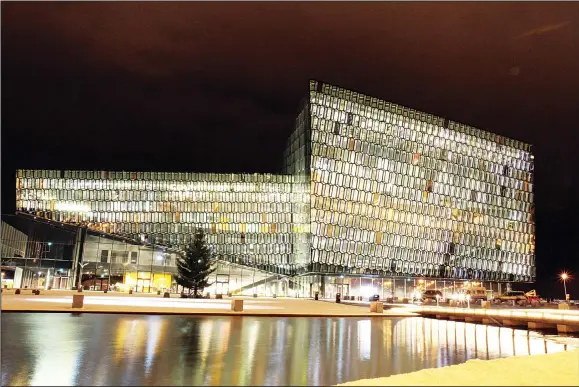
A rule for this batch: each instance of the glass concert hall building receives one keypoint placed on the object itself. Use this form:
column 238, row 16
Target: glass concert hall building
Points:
column 374, row 198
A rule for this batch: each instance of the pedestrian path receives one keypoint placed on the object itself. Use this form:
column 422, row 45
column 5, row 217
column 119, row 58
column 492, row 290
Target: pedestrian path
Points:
column 98, row 302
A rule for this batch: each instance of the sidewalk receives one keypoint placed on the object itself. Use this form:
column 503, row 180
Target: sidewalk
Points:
column 98, row 302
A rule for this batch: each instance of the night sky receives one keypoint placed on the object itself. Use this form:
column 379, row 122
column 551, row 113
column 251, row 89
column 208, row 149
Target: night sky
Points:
column 214, row 87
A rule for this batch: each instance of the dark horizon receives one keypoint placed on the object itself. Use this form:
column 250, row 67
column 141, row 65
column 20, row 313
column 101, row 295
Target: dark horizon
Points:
column 197, row 87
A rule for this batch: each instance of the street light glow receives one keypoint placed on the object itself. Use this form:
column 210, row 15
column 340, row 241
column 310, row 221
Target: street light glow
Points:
column 564, row 276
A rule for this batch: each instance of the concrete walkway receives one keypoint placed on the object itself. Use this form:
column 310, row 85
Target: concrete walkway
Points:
column 123, row 303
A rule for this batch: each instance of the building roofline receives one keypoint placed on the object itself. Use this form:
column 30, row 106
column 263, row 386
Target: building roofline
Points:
column 151, row 171
column 420, row 111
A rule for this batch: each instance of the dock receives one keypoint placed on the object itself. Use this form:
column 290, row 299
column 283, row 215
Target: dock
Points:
column 565, row 321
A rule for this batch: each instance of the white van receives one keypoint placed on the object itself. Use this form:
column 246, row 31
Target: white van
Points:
column 476, row 293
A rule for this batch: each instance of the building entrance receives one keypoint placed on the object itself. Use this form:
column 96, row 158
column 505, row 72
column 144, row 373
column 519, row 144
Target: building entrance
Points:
column 143, row 285
column 222, row 284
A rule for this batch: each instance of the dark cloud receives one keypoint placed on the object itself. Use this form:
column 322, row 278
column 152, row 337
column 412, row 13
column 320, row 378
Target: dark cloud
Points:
column 215, row 86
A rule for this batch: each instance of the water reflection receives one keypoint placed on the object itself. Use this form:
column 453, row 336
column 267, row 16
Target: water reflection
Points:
column 57, row 349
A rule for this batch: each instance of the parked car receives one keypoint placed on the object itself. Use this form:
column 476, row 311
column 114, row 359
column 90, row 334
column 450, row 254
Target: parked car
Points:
column 432, row 295
column 375, row 297
column 513, row 295
column 475, row 294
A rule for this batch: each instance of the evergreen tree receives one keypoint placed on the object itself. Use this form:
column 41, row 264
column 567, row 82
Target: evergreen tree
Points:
column 194, row 267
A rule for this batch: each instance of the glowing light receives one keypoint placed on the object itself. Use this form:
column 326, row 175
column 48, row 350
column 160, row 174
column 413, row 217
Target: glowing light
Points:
column 72, row 207
column 368, row 291
column 564, row 276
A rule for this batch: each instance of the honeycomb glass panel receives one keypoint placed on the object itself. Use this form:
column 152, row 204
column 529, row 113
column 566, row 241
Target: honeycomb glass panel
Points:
column 367, row 186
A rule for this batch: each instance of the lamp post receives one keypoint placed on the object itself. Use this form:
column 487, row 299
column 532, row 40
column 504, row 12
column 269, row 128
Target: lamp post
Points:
column 82, row 265
column 565, row 277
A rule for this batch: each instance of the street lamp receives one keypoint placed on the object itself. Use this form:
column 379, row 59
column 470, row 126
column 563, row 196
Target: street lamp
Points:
column 564, row 277
column 82, row 265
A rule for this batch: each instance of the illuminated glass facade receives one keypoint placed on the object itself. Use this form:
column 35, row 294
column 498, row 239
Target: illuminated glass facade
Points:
column 397, row 191
column 369, row 188
column 248, row 218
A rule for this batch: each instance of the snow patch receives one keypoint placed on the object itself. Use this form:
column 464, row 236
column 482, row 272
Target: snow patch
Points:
column 555, row 369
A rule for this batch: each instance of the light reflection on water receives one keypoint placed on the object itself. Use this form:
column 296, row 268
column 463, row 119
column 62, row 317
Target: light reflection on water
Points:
column 93, row 349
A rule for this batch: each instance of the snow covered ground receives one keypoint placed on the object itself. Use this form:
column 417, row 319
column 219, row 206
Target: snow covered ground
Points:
column 556, row 369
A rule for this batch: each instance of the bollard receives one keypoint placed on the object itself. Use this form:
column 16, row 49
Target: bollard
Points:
column 77, row 300
column 316, row 296
column 130, row 291
column 219, row 296
column 167, row 295
column 376, row 307
column 105, row 291
column 338, row 298
column 237, row 305
column 158, row 292
column 254, row 295
column 17, row 291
